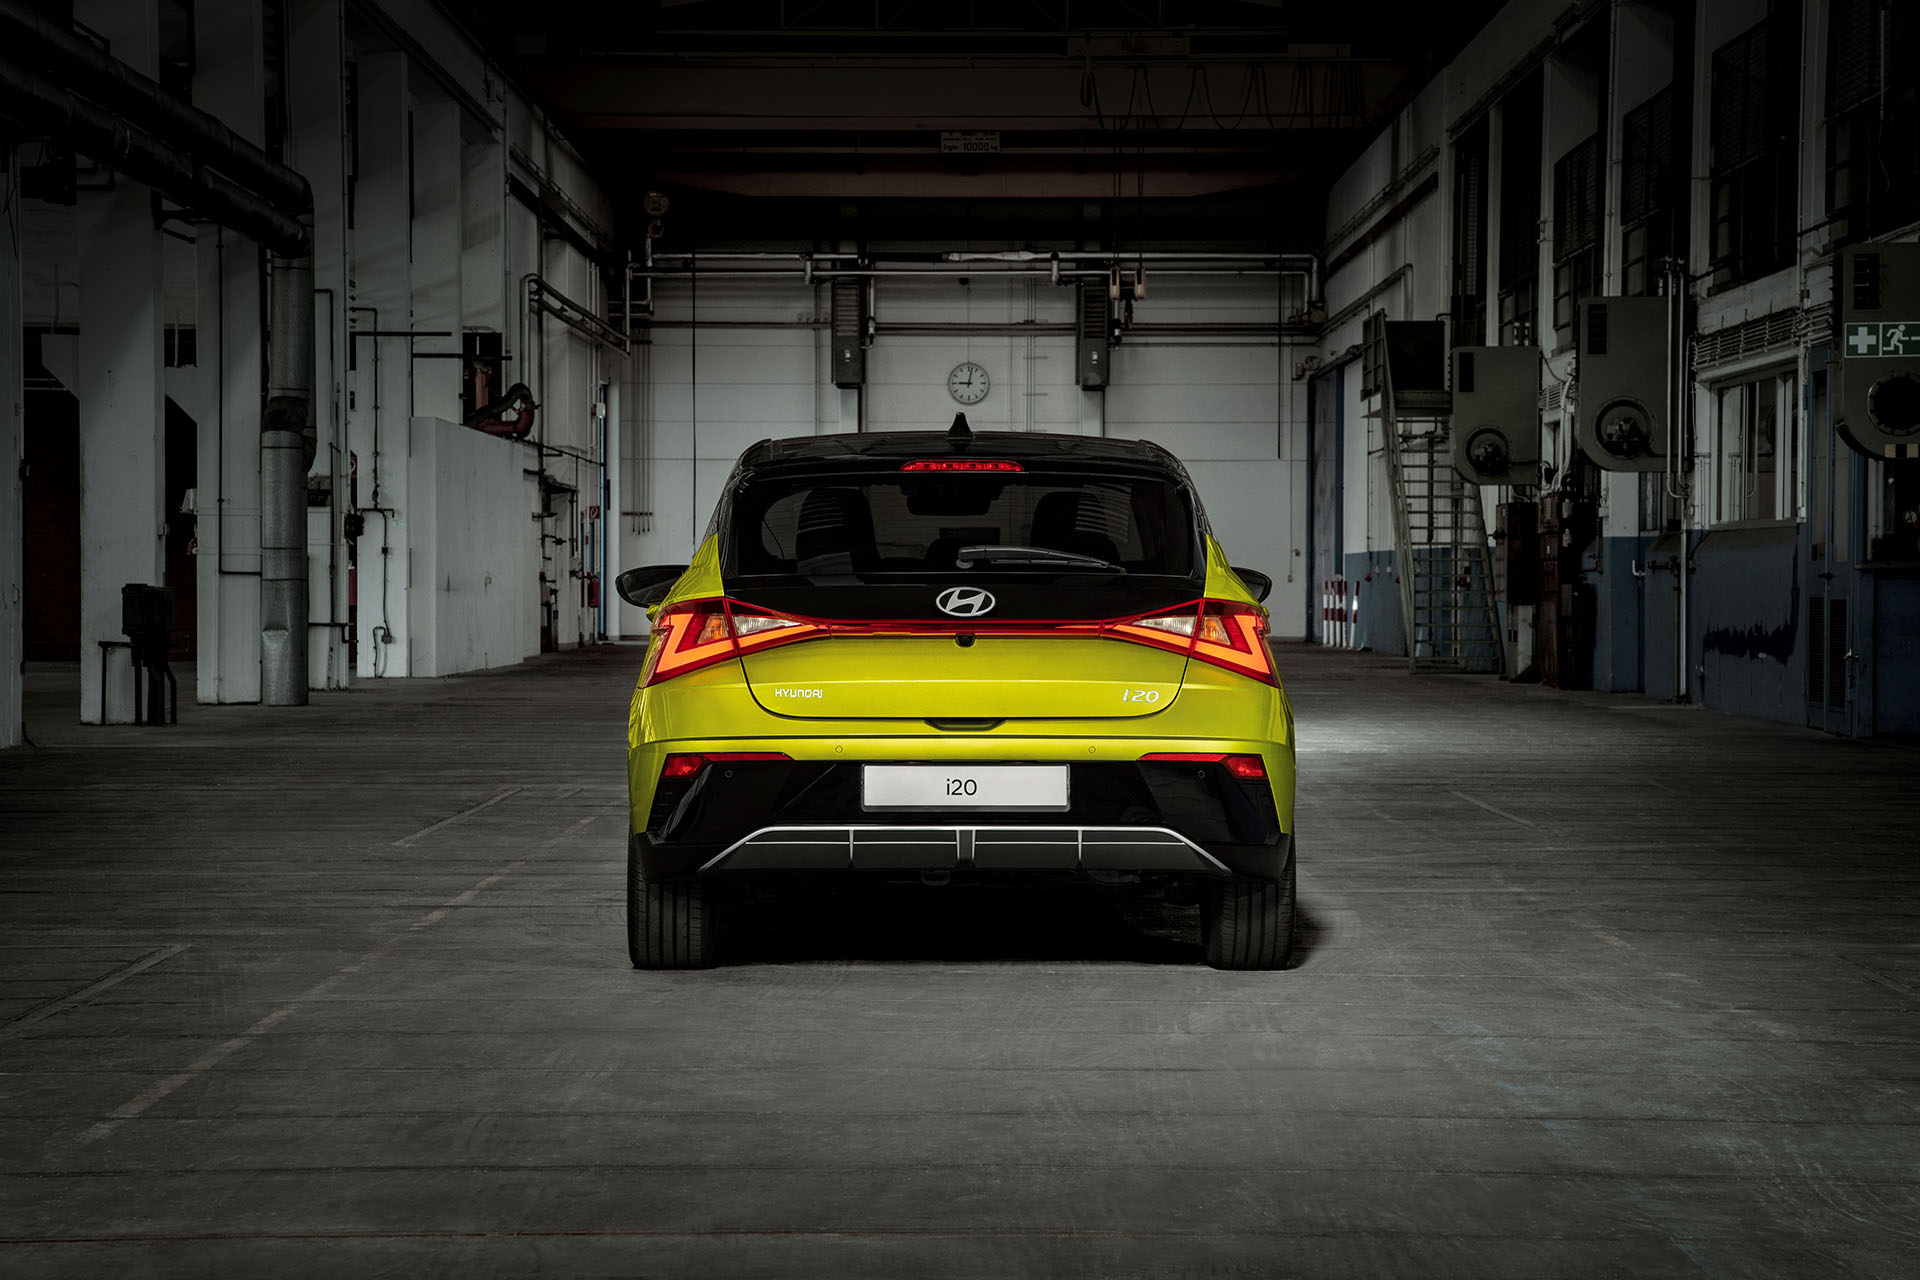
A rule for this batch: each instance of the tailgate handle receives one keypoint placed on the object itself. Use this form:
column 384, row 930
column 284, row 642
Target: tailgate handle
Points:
column 967, row 726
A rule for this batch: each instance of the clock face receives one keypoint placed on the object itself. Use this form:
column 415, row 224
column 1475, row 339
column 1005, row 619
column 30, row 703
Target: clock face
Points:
column 968, row 383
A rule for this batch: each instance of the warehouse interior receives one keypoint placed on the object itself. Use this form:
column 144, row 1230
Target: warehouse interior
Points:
column 1556, row 359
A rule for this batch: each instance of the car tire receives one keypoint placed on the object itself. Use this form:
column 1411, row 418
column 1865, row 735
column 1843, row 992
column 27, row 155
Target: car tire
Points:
column 1247, row 922
column 670, row 922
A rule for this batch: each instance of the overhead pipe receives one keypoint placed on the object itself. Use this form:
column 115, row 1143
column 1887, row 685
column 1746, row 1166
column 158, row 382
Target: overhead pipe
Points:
column 808, row 268
column 112, row 83
column 44, row 107
column 583, row 320
column 126, row 122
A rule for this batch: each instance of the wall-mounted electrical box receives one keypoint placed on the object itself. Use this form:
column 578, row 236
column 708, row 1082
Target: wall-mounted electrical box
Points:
column 1621, row 419
column 849, row 332
column 1495, row 433
column 1877, row 303
column 1091, row 352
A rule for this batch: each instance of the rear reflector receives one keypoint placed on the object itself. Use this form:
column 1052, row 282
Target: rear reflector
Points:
column 1245, row 767
column 689, row 766
column 963, row 464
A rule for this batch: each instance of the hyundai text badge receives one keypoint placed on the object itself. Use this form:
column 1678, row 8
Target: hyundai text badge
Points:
column 964, row 602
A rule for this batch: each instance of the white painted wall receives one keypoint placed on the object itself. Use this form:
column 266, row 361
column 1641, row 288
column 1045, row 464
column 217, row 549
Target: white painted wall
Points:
column 472, row 568
column 1219, row 403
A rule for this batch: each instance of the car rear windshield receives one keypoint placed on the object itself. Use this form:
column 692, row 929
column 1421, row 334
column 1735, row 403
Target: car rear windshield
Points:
column 832, row 526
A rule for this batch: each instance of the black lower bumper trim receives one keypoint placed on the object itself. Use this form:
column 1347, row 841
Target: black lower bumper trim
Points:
column 952, row 848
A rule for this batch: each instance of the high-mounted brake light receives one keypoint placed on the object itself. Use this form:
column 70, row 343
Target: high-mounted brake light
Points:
column 962, row 464
column 700, row 633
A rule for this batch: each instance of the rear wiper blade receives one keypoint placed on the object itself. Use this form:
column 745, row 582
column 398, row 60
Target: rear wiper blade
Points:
column 1031, row 555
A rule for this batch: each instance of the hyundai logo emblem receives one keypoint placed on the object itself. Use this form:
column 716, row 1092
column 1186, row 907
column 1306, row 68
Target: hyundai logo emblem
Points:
column 964, row 602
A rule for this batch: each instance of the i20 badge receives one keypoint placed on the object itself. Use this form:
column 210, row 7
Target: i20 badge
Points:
column 964, row 602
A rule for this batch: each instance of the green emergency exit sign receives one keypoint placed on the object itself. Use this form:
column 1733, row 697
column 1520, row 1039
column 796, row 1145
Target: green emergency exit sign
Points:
column 1881, row 338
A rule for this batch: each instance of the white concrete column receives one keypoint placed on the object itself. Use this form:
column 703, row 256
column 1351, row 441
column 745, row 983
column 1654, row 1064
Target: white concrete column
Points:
column 483, row 235
column 437, row 238
column 380, row 403
column 229, row 83
column 12, row 449
column 122, row 396
column 318, row 150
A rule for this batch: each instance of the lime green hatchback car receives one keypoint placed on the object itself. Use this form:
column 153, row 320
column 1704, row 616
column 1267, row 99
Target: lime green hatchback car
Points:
column 931, row 656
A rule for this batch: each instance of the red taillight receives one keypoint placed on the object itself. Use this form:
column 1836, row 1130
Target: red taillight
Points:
column 689, row 766
column 962, row 464
column 1234, row 636
column 1247, row 768
column 1224, row 632
column 700, row 633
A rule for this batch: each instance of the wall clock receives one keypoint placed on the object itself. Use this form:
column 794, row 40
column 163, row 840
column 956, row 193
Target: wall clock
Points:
column 968, row 383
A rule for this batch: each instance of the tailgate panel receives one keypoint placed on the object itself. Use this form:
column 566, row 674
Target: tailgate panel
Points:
column 935, row 678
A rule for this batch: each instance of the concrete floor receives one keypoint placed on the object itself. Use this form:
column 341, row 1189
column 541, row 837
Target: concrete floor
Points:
column 1587, row 986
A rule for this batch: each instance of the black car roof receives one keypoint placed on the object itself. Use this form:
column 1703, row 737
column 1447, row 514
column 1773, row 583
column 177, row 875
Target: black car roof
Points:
column 1015, row 446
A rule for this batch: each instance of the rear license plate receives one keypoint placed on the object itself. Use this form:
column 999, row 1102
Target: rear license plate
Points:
column 963, row 786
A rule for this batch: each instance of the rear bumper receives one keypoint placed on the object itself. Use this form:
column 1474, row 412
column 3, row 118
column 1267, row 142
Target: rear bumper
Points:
column 1151, row 850
column 1175, row 818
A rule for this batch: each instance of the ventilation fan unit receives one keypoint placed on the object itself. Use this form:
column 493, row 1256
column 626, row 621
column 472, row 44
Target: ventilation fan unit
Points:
column 1621, row 418
column 1495, row 432
column 1877, row 301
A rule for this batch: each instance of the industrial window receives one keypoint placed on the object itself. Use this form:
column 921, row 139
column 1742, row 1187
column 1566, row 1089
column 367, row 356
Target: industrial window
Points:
column 1520, row 212
column 1659, row 506
column 1873, row 117
column 1576, row 233
column 1755, row 114
column 1646, row 193
column 1470, row 236
column 1757, row 450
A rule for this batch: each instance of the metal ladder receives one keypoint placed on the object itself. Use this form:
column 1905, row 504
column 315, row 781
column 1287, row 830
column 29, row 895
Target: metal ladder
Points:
column 1445, row 570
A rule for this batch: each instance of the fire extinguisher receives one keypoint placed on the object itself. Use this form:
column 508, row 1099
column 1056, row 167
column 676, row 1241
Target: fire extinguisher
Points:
column 593, row 591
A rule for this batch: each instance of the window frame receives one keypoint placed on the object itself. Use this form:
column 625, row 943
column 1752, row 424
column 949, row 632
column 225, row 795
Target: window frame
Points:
column 1753, row 198
column 1762, row 398
column 1647, row 168
column 1579, row 181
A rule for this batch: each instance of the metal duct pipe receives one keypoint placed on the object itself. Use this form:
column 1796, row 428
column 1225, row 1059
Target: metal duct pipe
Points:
column 112, row 83
column 47, row 108
column 287, row 443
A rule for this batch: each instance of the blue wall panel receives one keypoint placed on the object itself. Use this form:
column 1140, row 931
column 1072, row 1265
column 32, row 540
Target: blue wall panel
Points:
column 1896, row 654
column 1617, row 623
column 1748, row 616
